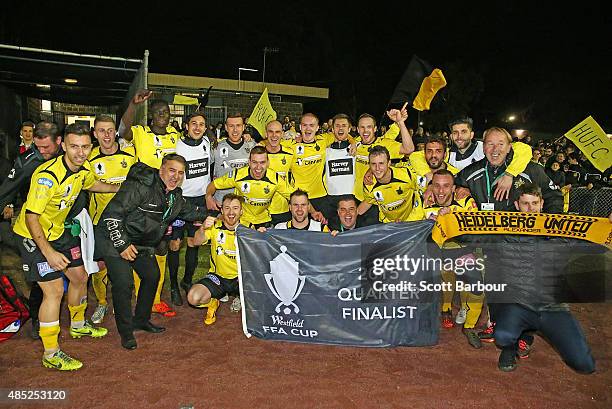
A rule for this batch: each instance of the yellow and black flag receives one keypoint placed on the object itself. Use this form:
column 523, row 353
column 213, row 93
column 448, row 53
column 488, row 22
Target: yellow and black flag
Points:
column 419, row 84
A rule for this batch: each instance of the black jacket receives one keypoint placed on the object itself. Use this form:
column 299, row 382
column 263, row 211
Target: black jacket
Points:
column 18, row 179
column 141, row 211
column 473, row 177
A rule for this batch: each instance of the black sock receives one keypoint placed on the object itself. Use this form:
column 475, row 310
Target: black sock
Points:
column 35, row 300
column 191, row 262
column 173, row 266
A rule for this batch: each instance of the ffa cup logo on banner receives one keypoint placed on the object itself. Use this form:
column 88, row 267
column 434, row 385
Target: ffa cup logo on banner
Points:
column 300, row 149
column 245, row 187
column 285, row 281
column 378, row 196
column 224, row 152
column 157, row 141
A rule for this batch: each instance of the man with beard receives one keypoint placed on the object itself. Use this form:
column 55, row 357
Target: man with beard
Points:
column 197, row 149
column 45, row 249
column 443, row 188
column 465, row 151
column 298, row 205
column 131, row 227
column 222, row 277
column 257, row 184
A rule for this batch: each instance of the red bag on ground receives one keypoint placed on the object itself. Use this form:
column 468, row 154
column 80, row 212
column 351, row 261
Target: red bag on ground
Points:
column 13, row 309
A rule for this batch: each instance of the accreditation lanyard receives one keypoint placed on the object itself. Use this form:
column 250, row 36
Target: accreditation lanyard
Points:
column 169, row 209
column 489, row 182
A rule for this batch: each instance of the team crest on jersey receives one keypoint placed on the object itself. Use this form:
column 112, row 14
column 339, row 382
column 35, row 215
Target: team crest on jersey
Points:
column 172, row 140
column 245, row 187
column 378, row 196
column 421, row 181
column 247, row 150
column 157, row 141
column 123, row 164
column 100, row 169
column 266, row 190
column 221, row 237
column 300, row 149
column 224, row 152
column 518, row 183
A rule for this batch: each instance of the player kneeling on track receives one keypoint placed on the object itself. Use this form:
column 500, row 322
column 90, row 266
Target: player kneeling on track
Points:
column 222, row 278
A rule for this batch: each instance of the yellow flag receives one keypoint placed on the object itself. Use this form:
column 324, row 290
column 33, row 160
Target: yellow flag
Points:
column 429, row 87
column 593, row 142
column 262, row 114
column 183, row 100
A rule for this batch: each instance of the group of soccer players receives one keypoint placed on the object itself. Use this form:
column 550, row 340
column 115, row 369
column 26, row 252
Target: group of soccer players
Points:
column 327, row 182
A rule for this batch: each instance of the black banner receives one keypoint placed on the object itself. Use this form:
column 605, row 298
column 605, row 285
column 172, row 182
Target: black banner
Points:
column 312, row 287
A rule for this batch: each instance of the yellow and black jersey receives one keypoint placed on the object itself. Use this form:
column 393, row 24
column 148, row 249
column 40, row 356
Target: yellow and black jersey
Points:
column 150, row 147
column 111, row 169
column 362, row 160
column 467, row 204
column 281, row 162
column 257, row 193
column 52, row 193
column 222, row 250
column 312, row 225
column 308, row 169
column 397, row 200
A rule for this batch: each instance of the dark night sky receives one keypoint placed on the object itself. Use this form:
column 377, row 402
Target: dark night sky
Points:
column 551, row 62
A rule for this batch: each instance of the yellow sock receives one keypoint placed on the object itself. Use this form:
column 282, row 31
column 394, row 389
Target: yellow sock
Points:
column 474, row 307
column 447, row 296
column 49, row 332
column 98, row 282
column 161, row 262
column 77, row 315
column 136, row 283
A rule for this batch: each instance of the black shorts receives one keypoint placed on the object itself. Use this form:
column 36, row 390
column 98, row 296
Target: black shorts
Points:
column 35, row 265
column 218, row 286
column 179, row 226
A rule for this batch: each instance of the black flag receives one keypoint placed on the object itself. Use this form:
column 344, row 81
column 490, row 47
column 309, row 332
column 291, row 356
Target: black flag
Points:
column 410, row 83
